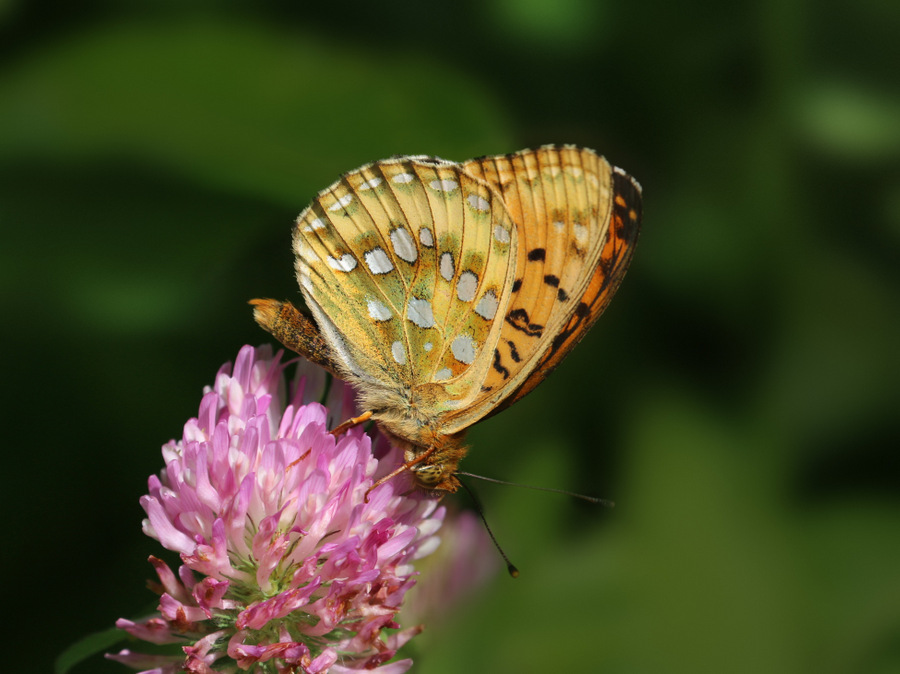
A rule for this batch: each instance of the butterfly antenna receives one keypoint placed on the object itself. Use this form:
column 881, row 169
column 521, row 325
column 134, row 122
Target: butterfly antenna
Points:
column 589, row 499
column 513, row 571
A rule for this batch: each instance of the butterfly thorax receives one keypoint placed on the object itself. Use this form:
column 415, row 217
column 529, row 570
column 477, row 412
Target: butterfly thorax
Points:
column 409, row 416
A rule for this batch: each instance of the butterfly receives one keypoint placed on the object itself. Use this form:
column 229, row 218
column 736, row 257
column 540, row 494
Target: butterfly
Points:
column 444, row 292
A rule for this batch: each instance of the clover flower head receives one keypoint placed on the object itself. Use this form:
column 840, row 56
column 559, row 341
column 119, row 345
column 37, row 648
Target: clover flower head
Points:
column 286, row 567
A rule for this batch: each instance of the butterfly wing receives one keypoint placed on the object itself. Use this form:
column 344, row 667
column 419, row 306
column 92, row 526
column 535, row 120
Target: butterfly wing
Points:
column 615, row 257
column 449, row 291
column 577, row 222
column 405, row 264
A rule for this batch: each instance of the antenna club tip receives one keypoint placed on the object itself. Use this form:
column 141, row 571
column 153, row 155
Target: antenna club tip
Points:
column 513, row 571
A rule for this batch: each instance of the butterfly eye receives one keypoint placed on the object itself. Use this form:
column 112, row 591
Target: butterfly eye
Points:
column 429, row 475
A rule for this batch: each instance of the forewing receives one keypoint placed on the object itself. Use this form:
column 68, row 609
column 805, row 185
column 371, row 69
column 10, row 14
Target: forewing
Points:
column 571, row 257
column 615, row 257
column 405, row 263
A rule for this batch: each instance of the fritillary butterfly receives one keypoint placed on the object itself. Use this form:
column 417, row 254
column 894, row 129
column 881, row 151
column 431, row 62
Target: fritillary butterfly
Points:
column 445, row 292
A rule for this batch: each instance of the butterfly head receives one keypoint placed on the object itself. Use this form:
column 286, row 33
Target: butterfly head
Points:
column 434, row 468
column 436, row 477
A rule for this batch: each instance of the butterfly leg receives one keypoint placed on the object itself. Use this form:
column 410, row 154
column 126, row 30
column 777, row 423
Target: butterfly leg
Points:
column 294, row 330
column 407, row 465
column 350, row 423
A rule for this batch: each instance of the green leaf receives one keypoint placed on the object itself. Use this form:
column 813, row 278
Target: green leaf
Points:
column 89, row 646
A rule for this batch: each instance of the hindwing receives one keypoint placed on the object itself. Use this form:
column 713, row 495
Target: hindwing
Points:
column 407, row 265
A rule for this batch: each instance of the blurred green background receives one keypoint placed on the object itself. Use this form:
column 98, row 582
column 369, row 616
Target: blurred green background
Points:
column 739, row 400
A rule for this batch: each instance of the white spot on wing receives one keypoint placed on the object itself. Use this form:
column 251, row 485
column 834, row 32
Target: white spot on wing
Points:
column 419, row 312
column 404, row 245
column 315, row 225
column 398, row 352
column 443, row 185
column 341, row 203
column 426, row 237
column 370, row 184
column 378, row 261
column 487, row 305
column 479, row 203
column 463, row 348
column 443, row 374
column 447, row 266
column 501, row 234
column 466, row 286
column 345, row 263
column 379, row 311
column 559, row 225
column 402, row 178
column 428, row 346
column 580, row 231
